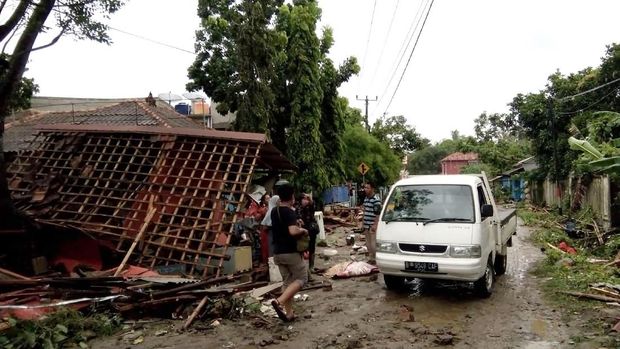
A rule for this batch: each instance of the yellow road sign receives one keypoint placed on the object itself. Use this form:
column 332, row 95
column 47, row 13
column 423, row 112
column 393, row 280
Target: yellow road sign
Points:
column 363, row 168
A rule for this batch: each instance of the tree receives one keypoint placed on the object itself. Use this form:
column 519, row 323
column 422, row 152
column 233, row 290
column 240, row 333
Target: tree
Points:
column 360, row 146
column 568, row 103
column 280, row 70
column 304, row 139
column 333, row 107
column 236, row 49
column 493, row 127
column 77, row 18
column 395, row 132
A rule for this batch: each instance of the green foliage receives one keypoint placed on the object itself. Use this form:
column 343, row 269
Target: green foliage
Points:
column 57, row 330
column 496, row 156
column 604, row 131
column 26, row 88
column 360, row 146
column 264, row 61
column 304, row 139
column 236, row 49
column 333, row 107
column 549, row 117
column 401, row 137
column 494, row 127
column 477, row 168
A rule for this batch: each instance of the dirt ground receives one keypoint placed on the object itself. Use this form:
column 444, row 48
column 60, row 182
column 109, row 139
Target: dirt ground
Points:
column 362, row 313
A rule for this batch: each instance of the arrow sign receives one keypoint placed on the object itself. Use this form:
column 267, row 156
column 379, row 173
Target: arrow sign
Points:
column 363, row 168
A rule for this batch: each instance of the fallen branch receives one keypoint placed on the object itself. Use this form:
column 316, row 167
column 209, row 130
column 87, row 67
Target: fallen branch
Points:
column 606, row 292
column 615, row 262
column 591, row 296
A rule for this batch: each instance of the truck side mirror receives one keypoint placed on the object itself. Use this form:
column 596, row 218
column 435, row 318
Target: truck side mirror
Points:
column 486, row 211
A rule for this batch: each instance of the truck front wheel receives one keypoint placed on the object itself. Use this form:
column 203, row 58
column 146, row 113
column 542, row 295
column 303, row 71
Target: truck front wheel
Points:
column 394, row 283
column 484, row 285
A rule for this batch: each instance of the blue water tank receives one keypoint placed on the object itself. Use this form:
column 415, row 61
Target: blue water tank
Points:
column 183, row 108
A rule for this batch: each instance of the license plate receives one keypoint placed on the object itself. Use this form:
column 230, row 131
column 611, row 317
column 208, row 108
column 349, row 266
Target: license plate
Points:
column 422, row 267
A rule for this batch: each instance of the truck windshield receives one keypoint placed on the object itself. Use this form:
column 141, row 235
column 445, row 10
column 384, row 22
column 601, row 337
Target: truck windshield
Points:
column 437, row 203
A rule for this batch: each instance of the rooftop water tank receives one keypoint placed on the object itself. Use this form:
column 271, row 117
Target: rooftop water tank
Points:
column 183, row 108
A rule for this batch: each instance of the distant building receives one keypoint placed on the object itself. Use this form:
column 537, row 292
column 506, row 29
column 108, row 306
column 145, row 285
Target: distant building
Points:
column 453, row 163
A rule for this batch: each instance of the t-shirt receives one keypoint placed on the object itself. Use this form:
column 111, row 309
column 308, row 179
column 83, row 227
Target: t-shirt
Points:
column 372, row 208
column 283, row 241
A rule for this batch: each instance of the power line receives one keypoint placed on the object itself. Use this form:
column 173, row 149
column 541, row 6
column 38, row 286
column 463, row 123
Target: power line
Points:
column 151, row 40
column 589, row 106
column 404, row 47
column 372, row 19
column 563, row 99
column 387, row 36
column 410, row 55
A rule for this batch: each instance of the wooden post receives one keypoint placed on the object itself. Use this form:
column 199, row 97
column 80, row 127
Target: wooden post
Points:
column 147, row 221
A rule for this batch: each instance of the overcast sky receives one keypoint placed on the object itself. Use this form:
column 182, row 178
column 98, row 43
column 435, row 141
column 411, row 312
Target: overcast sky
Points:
column 473, row 56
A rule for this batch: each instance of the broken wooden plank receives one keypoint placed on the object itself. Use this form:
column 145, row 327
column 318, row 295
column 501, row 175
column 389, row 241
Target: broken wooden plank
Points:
column 259, row 292
column 13, row 275
column 147, row 221
column 195, row 313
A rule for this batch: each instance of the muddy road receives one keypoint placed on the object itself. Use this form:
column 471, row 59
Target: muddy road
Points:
column 362, row 313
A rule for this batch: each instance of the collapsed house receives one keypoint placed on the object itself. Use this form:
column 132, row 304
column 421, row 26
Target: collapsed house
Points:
column 175, row 194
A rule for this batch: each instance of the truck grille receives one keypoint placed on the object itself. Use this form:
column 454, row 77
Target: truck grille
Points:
column 421, row 248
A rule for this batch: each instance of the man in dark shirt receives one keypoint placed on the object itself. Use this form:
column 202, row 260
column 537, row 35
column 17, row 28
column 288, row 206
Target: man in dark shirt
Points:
column 286, row 231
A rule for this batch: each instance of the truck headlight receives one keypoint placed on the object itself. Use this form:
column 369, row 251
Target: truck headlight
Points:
column 472, row 251
column 387, row 247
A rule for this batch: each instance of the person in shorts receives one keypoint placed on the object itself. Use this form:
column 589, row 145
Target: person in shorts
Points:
column 286, row 231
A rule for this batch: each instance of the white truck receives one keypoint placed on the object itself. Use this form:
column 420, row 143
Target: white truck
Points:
column 444, row 227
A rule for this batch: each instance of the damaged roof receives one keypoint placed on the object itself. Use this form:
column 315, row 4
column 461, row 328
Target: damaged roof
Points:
column 19, row 133
column 182, row 188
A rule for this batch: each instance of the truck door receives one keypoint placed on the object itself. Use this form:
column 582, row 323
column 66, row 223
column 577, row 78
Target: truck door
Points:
column 486, row 223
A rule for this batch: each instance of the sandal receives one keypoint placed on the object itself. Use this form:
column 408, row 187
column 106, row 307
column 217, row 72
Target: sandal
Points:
column 281, row 314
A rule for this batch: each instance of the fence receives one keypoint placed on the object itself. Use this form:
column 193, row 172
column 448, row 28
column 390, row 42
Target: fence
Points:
column 599, row 194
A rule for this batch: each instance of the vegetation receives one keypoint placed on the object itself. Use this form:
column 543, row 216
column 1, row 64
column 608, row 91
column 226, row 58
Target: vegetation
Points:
column 264, row 61
column 61, row 329
column 564, row 272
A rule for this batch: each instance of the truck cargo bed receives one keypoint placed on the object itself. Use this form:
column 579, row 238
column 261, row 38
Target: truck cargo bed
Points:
column 505, row 214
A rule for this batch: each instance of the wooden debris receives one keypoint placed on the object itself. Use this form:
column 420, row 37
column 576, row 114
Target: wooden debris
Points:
column 13, row 275
column 147, row 221
column 597, row 231
column 195, row 313
column 555, row 248
column 591, row 296
column 259, row 292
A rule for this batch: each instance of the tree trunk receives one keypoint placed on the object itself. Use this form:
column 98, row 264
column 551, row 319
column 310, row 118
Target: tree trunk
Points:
column 11, row 23
column 17, row 65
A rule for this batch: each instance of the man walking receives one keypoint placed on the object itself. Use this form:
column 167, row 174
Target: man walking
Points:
column 372, row 208
column 289, row 260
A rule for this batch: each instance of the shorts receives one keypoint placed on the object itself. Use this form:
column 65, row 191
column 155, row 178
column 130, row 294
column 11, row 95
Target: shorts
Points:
column 292, row 268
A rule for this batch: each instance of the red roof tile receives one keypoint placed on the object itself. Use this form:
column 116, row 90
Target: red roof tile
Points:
column 458, row 156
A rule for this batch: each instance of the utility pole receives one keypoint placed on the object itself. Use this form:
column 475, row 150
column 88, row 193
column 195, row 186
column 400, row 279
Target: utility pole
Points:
column 556, row 160
column 366, row 100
